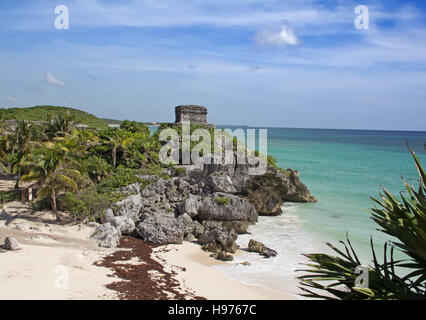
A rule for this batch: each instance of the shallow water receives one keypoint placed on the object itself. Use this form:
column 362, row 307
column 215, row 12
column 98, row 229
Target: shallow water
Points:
column 343, row 169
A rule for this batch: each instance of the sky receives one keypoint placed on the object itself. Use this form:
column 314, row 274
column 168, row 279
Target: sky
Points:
column 266, row 63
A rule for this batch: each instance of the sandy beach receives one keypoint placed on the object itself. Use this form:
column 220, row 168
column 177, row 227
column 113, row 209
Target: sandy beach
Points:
column 206, row 281
column 53, row 262
column 61, row 262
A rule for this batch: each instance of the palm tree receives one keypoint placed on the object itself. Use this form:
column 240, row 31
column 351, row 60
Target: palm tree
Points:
column 404, row 220
column 95, row 167
column 7, row 154
column 51, row 165
column 78, row 141
column 60, row 125
column 25, row 135
column 151, row 148
column 118, row 142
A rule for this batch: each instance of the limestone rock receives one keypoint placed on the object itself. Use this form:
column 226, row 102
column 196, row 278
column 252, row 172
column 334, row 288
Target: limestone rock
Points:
column 107, row 236
column 194, row 171
column 297, row 192
column 198, row 229
column 108, row 215
column 11, row 244
column 129, row 207
column 220, row 183
column 267, row 191
column 161, row 227
column 188, row 225
column 225, row 207
column 190, row 205
column 124, row 224
column 266, row 201
column 240, row 226
column 256, row 246
column 223, row 256
column 172, row 190
column 214, row 235
column 212, row 247
column 132, row 188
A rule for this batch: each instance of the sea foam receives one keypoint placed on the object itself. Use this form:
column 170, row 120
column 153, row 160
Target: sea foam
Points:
column 284, row 234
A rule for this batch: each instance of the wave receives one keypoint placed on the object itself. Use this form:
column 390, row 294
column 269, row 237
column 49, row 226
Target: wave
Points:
column 286, row 235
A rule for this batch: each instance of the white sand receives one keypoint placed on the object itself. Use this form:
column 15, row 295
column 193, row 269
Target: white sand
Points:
column 54, row 262
column 49, row 252
column 208, row 282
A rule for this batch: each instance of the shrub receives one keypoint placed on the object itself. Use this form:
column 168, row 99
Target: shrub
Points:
column 135, row 127
column 95, row 167
column 8, row 196
column 42, row 204
column 87, row 205
column 120, row 178
column 179, row 171
column 222, row 201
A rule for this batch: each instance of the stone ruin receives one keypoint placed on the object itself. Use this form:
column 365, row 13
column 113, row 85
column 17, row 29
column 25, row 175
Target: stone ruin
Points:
column 192, row 113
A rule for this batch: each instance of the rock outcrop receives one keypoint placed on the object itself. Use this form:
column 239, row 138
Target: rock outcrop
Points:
column 216, row 239
column 125, row 225
column 129, row 207
column 210, row 204
column 190, row 205
column 266, row 192
column 258, row 247
column 161, row 227
column 225, row 207
column 107, row 236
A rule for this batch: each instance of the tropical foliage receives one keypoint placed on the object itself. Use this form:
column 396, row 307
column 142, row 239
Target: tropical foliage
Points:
column 404, row 220
column 46, row 113
column 78, row 170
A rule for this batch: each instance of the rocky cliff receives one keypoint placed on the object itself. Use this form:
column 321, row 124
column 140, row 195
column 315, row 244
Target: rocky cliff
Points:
column 210, row 204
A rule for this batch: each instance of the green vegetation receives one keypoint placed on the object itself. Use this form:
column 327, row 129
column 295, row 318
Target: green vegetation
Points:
column 81, row 170
column 404, row 219
column 119, row 122
column 84, row 205
column 51, row 165
column 111, row 121
column 8, row 196
column 180, row 171
column 222, row 201
column 77, row 170
column 203, row 144
column 45, row 113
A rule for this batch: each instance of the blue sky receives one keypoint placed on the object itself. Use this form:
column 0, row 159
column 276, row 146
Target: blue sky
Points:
column 254, row 62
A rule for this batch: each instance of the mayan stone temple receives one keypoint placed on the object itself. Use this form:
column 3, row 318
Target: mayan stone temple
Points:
column 192, row 113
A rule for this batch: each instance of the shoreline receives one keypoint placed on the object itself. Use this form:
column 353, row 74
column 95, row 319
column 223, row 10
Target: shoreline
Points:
column 49, row 251
column 209, row 282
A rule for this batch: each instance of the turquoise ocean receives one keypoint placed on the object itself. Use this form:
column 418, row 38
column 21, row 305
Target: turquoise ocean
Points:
column 342, row 169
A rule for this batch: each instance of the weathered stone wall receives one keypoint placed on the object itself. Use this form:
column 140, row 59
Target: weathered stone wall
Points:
column 194, row 114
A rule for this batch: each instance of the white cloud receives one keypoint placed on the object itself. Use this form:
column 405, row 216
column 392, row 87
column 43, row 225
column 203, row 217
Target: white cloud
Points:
column 11, row 99
column 53, row 80
column 279, row 38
